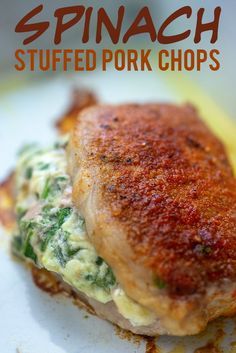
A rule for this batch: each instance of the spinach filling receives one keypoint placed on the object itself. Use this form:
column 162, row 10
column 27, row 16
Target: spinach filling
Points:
column 51, row 223
column 22, row 242
column 54, row 235
column 102, row 281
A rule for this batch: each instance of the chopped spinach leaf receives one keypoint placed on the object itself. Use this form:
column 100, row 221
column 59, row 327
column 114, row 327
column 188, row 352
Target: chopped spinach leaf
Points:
column 47, row 236
column 28, row 249
column 26, row 226
column 89, row 277
column 52, row 186
column 46, row 189
column 63, row 214
column 17, row 243
column 26, row 229
column 59, row 255
column 99, row 261
column 61, row 178
column 103, row 281
column 71, row 252
column 56, row 221
column 43, row 166
column 28, row 173
column 62, row 248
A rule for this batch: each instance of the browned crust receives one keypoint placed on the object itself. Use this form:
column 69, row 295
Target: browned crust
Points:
column 7, row 215
column 165, row 178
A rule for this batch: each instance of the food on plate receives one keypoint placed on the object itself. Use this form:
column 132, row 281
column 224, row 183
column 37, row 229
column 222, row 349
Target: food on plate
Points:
column 137, row 213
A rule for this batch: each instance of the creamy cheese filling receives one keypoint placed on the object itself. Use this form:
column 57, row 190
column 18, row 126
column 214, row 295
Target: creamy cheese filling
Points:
column 52, row 233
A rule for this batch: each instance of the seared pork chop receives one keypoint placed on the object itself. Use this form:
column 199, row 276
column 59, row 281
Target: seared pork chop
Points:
column 159, row 200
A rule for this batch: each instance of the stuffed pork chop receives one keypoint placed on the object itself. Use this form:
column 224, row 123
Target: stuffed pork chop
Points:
column 139, row 217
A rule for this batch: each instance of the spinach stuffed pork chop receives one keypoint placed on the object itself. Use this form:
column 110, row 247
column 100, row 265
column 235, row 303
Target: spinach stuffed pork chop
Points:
column 52, row 235
column 137, row 214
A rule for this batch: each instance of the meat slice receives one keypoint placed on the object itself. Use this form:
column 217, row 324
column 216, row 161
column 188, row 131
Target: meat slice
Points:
column 159, row 200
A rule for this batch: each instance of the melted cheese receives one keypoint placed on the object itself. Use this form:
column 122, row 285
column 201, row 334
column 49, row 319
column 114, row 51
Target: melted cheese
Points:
column 135, row 313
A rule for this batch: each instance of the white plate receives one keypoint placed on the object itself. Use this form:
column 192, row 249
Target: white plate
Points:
column 30, row 320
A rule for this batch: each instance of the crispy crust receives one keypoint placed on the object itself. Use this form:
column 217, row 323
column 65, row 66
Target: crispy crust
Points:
column 7, row 215
column 165, row 180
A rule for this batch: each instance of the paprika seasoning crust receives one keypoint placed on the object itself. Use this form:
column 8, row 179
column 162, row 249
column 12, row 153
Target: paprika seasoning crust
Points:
column 159, row 200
